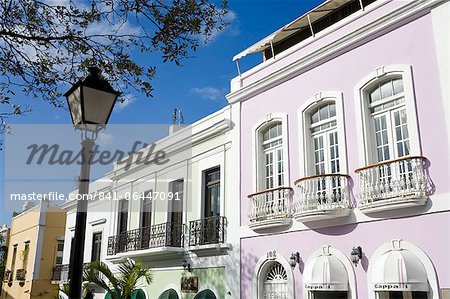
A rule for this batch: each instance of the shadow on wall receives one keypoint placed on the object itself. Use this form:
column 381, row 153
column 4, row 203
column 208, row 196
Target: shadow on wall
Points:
column 248, row 262
column 337, row 230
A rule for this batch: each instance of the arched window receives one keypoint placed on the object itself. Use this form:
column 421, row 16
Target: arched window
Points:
column 323, row 184
column 324, row 135
column 393, row 167
column 275, row 283
column 272, row 155
column 388, row 123
column 270, row 161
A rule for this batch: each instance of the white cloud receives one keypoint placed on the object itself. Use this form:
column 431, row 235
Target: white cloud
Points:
column 128, row 100
column 209, row 93
column 232, row 29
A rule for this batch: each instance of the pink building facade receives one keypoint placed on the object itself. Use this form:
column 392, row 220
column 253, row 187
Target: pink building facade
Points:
column 344, row 137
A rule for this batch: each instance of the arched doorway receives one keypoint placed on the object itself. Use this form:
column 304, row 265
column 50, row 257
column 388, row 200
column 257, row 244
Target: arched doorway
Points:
column 273, row 277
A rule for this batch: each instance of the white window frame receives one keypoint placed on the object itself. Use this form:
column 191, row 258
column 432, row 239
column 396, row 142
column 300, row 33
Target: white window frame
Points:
column 260, row 274
column 258, row 166
column 364, row 118
column 306, row 157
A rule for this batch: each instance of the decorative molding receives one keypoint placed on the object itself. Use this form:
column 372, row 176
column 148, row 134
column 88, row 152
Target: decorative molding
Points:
column 97, row 221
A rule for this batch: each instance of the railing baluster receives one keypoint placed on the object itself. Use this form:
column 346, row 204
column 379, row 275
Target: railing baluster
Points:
column 392, row 180
column 270, row 204
column 322, row 192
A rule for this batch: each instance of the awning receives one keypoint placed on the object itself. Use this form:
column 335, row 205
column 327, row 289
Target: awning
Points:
column 325, row 273
column 109, row 296
column 293, row 27
column 399, row 270
column 205, row 294
column 136, row 294
column 168, row 294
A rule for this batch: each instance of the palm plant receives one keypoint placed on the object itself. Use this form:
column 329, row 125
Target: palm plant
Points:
column 123, row 282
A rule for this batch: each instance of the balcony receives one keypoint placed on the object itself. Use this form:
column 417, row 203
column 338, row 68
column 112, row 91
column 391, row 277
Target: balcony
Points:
column 208, row 235
column 392, row 185
column 60, row 273
column 211, row 230
column 270, row 208
column 322, row 197
column 164, row 235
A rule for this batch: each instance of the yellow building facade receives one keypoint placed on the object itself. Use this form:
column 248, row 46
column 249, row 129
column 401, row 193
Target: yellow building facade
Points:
column 35, row 237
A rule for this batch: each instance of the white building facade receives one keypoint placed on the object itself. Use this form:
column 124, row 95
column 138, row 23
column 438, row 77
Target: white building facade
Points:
column 178, row 217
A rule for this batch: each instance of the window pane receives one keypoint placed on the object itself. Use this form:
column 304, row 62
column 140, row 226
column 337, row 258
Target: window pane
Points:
column 388, row 105
column 386, row 153
column 403, row 116
column 400, row 149
column 380, row 154
column 332, row 110
column 405, row 131
column 378, row 139
column 398, row 86
column 315, row 117
column 375, row 95
column 397, row 118
column 323, row 113
column 407, row 149
column 386, row 90
column 398, row 133
column 385, row 137
column 377, row 124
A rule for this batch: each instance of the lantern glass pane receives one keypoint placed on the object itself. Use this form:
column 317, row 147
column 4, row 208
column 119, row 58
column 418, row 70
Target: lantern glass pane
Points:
column 97, row 105
column 74, row 100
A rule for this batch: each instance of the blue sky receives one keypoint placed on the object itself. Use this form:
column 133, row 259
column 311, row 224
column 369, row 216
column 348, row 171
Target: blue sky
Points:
column 198, row 88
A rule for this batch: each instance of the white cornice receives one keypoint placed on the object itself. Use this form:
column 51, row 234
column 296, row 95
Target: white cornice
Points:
column 351, row 39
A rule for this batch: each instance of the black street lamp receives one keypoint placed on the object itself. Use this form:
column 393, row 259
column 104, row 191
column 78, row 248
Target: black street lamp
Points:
column 91, row 101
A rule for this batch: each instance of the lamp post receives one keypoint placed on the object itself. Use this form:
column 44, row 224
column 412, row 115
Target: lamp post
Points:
column 91, row 101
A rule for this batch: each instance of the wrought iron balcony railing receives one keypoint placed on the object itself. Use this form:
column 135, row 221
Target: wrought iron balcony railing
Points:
column 160, row 235
column 60, row 273
column 322, row 196
column 270, row 205
column 399, row 180
column 20, row 274
column 210, row 230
